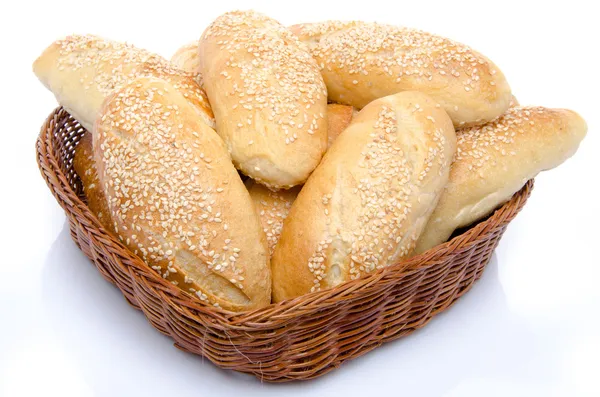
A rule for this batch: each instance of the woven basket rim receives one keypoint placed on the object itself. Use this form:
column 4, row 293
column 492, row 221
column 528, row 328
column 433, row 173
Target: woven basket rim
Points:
column 281, row 310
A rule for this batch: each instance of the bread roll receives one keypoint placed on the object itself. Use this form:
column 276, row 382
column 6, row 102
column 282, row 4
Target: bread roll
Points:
column 186, row 58
column 268, row 96
column 338, row 118
column 176, row 199
column 365, row 205
column 82, row 70
column 84, row 166
column 495, row 161
column 272, row 208
column 83, row 163
column 363, row 61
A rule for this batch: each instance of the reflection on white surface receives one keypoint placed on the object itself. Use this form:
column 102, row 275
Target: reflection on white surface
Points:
column 97, row 336
column 74, row 289
column 40, row 368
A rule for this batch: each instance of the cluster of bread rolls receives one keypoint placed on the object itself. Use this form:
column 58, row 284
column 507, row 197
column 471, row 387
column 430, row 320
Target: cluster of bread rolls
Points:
column 360, row 145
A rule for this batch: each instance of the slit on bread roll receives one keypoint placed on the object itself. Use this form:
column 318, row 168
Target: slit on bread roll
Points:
column 494, row 161
column 82, row 70
column 363, row 61
column 175, row 198
column 268, row 96
column 365, row 205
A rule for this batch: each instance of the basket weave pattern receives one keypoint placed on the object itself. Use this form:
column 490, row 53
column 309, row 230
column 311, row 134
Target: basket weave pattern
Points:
column 301, row 338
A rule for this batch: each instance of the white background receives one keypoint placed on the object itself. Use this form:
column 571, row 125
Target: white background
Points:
column 530, row 327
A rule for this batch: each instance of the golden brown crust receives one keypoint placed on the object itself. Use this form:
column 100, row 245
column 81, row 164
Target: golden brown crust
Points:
column 186, row 58
column 494, row 161
column 83, row 163
column 82, row 70
column 363, row 61
column 338, row 118
column 175, row 198
column 272, row 206
column 268, row 96
column 365, row 205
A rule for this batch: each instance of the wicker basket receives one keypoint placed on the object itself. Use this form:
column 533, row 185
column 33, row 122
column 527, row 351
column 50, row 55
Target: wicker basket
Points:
column 301, row 338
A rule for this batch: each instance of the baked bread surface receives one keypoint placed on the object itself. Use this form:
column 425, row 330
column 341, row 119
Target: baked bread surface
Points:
column 363, row 61
column 495, row 161
column 366, row 204
column 175, row 198
column 82, row 70
column 269, row 99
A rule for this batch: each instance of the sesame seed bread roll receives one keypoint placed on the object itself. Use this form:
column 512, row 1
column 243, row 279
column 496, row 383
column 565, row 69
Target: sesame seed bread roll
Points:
column 494, row 161
column 272, row 208
column 186, row 58
column 83, row 164
column 338, row 118
column 82, row 70
column 362, row 61
column 367, row 202
column 175, row 198
column 268, row 96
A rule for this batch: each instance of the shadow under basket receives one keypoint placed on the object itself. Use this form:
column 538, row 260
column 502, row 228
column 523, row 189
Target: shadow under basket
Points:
column 302, row 338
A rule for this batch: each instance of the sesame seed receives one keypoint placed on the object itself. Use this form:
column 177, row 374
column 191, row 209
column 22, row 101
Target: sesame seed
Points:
column 112, row 65
column 386, row 193
column 410, row 57
column 477, row 145
column 273, row 207
column 274, row 79
column 154, row 184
